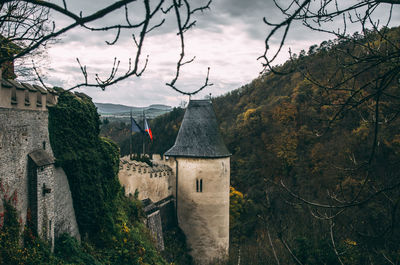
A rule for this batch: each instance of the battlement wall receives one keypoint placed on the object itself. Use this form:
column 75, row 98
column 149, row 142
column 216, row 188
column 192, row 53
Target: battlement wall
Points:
column 154, row 183
column 24, row 96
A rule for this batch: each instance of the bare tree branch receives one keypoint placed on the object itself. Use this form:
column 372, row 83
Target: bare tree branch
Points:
column 181, row 30
column 26, row 23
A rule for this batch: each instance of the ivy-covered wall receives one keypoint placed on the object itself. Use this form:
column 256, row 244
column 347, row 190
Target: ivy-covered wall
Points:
column 90, row 162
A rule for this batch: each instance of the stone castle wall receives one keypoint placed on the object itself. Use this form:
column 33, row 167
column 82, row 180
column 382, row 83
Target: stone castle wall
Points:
column 156, row 189
column 65, row 221
column 45, row 209
column 24, row 131
column 21, row 132
column 152, row 183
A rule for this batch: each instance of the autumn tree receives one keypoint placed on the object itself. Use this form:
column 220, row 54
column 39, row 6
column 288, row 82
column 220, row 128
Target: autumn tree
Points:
column 362, row 79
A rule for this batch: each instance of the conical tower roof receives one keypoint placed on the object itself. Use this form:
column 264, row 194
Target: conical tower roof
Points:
column 199, row 135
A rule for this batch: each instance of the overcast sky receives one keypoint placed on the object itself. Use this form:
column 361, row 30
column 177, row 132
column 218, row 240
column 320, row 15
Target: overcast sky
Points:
column 228, row 38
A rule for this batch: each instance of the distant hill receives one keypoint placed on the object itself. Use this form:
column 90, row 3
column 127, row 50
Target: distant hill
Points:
column 122, row 112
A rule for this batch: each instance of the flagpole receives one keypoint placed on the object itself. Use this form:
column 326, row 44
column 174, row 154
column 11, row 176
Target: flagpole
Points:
column 130, row 139
column 143, row 134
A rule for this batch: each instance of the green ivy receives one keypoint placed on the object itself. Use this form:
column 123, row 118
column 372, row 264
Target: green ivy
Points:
column 90, row 162
column 33, row 251
column 106, row 218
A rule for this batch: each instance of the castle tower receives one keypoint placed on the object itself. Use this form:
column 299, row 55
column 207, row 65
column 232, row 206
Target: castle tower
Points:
column 43, row 198
column 202, row 183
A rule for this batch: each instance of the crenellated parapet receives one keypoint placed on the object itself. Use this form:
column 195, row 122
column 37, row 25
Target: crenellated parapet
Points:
column 141, row 168
column 152, row 182
column 24, row 96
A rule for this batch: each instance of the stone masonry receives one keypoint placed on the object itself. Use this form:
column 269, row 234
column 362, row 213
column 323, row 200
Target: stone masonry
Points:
column 27, row 163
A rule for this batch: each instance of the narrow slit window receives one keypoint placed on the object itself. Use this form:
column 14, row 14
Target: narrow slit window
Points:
column 199, row 185
column 39, row 100
column 13, row 96
column 27, row 103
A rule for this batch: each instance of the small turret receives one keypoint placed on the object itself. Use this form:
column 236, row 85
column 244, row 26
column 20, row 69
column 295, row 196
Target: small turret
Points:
column 202, row 183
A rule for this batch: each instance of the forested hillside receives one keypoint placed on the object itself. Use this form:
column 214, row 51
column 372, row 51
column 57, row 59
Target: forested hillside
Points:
column 315, row 149
column 322, row 155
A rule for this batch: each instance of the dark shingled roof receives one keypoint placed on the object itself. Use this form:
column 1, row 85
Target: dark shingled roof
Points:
column 199, row 135
column 29, row 87
column 40, row 89
column 10, row 83
column 41, row 158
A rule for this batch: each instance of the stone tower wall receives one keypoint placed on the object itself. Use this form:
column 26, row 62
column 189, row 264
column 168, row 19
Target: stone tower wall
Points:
column 45, row 209
column 204, row 215
column 23, row 130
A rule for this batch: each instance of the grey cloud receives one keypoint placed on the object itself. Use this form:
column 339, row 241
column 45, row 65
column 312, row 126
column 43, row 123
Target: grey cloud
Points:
column 240, row 8
column 248, row 13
